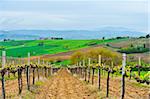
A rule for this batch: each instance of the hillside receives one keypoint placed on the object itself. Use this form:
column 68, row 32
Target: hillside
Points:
column 107, row 32
column 131, row 45
column 42, row 47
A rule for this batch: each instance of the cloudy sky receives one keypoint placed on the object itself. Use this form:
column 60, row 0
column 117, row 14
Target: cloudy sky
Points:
column 74, row 14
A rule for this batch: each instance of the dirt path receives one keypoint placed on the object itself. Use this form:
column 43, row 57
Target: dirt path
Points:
column 65, row 86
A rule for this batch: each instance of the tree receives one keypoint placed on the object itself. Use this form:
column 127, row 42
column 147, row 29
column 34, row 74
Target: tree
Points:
column 131, row 45
column 6, row 39
column 77, row 57
column 144, row 45
column 103, row 38
column 148, row 36
column 2, row 48
column 107, row 56
column 41, row 44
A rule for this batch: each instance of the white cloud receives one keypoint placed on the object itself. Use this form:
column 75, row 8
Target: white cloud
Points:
column 75, row 13
column 14, row 19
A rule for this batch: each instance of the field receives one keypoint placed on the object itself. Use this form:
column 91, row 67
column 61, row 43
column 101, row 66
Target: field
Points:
column 131, row 45
column 134, row 42
column 42, row 47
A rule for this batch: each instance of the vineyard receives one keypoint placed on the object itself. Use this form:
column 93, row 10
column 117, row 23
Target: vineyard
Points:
column 96, row 74
column 74, row 49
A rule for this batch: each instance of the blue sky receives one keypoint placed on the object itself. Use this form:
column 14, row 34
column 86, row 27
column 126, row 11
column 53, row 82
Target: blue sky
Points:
column 74, row 14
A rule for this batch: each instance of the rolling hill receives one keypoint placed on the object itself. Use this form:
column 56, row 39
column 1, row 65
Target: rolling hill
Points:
column 107, row 32
column 41, row 47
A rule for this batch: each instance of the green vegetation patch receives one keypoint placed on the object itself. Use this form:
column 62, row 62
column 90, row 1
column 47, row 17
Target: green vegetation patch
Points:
column 41, row 47
column 63, row 63
column 130, row 50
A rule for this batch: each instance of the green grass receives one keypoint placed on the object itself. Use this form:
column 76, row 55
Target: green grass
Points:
column 9, row 78
column 28, row 95
column 63, row 63
column 21, row 48
column 131, row 50
column 39, row 83
column 142, row 73
column 135, row 84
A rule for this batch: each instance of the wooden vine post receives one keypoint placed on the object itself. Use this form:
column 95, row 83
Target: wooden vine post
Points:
column 89, row 72
column 93, row 73
column 108, row 78
column 80, row 68
column 139, row 66
column 123, row 76
column 20, row 79
column 83, row 65
column 78, row 72
column 85, row 73
column 50, row 72
column 99, row 71
column 28, row 72
column 3, row 73
column 8, row 69
column 38, row 69
column 112, row 66
column 33, row 71
column 45, row 69
column 130, row 73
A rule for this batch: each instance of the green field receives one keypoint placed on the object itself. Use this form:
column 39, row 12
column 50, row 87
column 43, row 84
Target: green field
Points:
column 42, row 47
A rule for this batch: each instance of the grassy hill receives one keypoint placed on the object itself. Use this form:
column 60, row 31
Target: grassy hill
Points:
column 134, row 47
column 42, row 47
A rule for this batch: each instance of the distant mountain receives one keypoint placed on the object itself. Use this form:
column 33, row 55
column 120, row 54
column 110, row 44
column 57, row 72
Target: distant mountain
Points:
column 16, row 36
column 107, row 32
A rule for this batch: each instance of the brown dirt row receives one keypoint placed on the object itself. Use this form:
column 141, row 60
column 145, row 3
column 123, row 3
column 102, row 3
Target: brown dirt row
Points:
column 132, row 90
column 65, row 86
column 11, row 87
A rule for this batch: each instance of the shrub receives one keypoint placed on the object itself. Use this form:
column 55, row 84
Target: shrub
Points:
column 77, row 57
column 92, row 44
column 148, row 36
column 2, row 48
column 130, row 50
column 41, row 44
column 147, row 77
column 107, row 56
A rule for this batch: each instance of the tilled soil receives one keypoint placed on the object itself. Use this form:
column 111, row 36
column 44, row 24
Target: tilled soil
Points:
column 11, row 88
column 132, row 91
column 65, row 86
